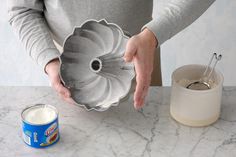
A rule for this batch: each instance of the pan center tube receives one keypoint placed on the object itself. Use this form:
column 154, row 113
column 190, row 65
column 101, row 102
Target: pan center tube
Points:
column 96, row 65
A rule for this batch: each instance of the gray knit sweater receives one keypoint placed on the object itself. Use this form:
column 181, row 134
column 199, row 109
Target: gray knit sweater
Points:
column 38, row 22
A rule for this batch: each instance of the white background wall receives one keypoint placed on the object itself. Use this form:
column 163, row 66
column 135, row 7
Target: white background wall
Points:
column 215, row 31
column 16, row 68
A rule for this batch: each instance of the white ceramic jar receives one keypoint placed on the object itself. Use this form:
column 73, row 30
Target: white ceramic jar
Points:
column 195, row 107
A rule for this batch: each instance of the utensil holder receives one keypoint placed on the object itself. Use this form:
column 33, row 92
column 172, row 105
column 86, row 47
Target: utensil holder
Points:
column 195, row 107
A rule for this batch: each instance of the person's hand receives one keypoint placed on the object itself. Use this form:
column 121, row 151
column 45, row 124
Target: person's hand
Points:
column 52, row 69
column 140, row 49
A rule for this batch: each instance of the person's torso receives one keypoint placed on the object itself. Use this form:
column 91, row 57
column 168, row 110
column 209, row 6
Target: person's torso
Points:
column 63, row 15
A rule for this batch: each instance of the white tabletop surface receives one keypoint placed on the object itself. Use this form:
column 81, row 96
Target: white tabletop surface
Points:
column 118, row 132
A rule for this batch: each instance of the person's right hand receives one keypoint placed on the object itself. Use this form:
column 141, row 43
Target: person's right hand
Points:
column 52, row 69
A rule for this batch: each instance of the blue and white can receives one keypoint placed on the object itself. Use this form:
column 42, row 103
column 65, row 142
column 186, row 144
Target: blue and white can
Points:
column 40, row 125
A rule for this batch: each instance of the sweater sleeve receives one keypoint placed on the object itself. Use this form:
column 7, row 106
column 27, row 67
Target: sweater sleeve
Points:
column 27, row 20
column 174, row 16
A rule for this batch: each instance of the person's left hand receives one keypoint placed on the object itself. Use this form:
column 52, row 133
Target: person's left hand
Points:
column 140, row 49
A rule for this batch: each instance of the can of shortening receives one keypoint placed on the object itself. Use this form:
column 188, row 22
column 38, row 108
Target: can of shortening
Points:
column 40, row 125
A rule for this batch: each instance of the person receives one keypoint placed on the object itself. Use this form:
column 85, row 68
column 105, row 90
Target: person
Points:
column 38, row 23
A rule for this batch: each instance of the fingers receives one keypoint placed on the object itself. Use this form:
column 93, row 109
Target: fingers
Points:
column 140, row 91
column 130, row 50
column 64, row 93
column 68, row 100
column 52, row 69
column 61, row 90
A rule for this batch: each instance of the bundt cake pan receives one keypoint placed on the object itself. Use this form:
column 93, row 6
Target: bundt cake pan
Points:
column 92, row 65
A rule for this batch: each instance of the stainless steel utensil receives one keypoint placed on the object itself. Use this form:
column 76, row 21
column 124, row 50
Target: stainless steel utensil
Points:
column 203, row 82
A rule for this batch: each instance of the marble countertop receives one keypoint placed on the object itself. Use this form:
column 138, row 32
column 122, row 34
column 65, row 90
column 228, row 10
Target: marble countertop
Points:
column 120, row 131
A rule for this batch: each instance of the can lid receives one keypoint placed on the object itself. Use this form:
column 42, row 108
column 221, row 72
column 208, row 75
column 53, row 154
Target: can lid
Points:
column 39, row 114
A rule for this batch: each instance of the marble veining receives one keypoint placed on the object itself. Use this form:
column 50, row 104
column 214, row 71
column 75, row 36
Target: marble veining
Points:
column 120, row 131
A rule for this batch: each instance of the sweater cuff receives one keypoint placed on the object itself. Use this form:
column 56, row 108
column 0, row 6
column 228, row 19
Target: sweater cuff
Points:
column 160, row 29
column 46, row 56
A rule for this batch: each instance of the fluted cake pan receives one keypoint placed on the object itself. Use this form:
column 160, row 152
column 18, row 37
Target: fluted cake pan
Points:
column 92, row 65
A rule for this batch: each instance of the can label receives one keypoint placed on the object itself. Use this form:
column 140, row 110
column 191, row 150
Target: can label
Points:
column 40, row 135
